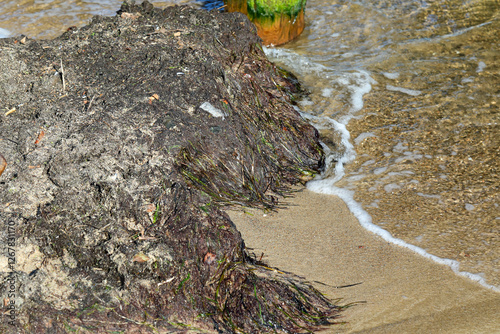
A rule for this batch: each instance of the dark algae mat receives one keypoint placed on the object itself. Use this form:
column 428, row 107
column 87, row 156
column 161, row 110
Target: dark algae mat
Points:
column 124, row 142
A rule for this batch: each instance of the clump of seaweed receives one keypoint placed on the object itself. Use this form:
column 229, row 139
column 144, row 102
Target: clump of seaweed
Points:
column 270, row 146
column 125, row 221
column 254, row 297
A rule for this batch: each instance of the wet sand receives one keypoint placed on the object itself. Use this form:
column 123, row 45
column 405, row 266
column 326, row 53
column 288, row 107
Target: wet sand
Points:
column 318, row 238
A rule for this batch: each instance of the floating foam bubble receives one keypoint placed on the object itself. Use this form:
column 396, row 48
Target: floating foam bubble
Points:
column 402, row 173
column 327, row 92
column 359, row 83
column 438, row 197
column 411, row 92
column 469, row 207
column 391, row 187
column 391, row 76
column 362, row 137
column 356, row 177
column 480, row 66
column 429, row 196
column 379, row 170
column 400, row 147
column 410, row 156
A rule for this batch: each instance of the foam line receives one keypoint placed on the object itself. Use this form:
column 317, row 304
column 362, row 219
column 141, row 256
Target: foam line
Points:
column 349, row 154
column 356, row 84
column 327, row 187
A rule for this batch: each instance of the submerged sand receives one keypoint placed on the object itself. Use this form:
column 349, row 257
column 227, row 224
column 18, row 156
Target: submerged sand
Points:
column 317, row 237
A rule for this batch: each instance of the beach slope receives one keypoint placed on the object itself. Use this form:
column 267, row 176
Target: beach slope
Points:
column 401, row 292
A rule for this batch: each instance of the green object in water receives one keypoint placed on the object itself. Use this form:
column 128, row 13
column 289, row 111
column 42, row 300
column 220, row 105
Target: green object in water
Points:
column 270, row 8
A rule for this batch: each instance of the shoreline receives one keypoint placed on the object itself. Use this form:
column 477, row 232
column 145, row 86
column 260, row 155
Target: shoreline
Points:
column 365, row 220
column 317, row 237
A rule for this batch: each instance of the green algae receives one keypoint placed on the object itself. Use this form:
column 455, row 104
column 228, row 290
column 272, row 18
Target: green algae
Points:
column 269, row 9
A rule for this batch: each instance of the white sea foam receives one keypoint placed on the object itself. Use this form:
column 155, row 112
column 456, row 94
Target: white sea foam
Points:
column 334, row 162
column 353, row 83
column 391, row 76
column 408, row 156
column 400, row 147
column 321, row 122
column 362, row 137
column 4, row 33
column 480, row 66
column 379, row 170
column 391, row 187
column 305, row 102
column 356, row 177
column 411, row 92
column 301, row 64
column 359, row 83
column 440, row 201
column 327, row 92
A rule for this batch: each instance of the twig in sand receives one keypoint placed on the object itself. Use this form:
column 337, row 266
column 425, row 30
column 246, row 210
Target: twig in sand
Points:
column 340, row 286
column 3, row 164
column 90, row 103
column 62, row 76
column 10, row 111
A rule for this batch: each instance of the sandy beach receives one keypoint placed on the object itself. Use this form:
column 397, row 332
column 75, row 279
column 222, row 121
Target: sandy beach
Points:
column 318, row 238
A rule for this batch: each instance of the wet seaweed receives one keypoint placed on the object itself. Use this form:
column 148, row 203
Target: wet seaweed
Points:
column 131, row 235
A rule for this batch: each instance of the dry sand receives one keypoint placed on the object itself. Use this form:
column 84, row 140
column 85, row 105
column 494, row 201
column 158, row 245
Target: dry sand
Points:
column 318, row 238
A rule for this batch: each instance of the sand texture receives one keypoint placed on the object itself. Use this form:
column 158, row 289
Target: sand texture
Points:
column 318, row 237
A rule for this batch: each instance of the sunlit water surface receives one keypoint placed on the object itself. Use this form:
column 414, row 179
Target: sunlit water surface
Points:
column 409, row 90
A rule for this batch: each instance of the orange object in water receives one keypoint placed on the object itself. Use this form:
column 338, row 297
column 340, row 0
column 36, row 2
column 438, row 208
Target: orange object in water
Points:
column 277, row 21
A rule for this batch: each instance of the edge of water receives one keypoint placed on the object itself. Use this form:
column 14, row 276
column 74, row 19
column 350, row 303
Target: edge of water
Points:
column 358, row 83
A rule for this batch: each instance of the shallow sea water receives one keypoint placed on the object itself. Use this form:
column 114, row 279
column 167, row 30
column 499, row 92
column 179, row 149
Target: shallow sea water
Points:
column 408, row 89
column 416, row 85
